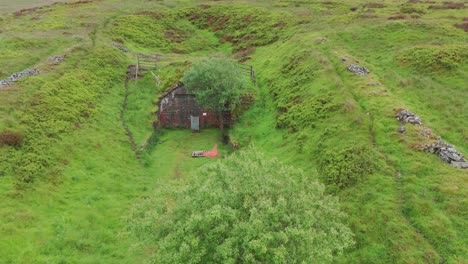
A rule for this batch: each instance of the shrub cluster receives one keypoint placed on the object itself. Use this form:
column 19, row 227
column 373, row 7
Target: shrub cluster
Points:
column 346, row 167
column 60, row 106
column 434, row 58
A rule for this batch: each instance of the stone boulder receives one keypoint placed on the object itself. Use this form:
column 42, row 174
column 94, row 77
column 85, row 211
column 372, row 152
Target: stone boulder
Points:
column 18, row 76
column 447, row 153
column 358, row 70
column 405, row 116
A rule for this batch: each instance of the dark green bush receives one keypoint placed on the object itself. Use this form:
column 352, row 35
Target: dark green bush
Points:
column 305, row 112
column 346, row 167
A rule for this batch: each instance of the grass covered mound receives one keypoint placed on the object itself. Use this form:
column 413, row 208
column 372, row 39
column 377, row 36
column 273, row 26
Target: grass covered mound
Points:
column 432, row 59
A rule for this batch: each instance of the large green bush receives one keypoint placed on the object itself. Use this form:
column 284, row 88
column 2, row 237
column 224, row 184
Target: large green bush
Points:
column 346, row 167
column 244, row 209
column 218, row 85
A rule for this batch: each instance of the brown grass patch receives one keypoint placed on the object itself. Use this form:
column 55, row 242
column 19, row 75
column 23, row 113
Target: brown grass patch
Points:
column 174, row 35
column 244, row 52
column 369, row 16
column 448, row 5
column 463, row 26
column 374, row 5
column 397, row 17
column 421, row 2
column 11, row 138
column 27, row 11
column 244, row 59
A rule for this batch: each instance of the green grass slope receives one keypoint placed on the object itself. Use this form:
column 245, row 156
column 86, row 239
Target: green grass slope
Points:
column 66, row 193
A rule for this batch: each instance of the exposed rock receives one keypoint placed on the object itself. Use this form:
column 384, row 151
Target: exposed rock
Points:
column 56, row 59
column 461, row 165
column 401, row 129
column 447, row 153
column 344, row 59
column 320, row 40
column 121, row 48
column 126, row 50
column 358, row 70
column 405, row 116
column 18, row 76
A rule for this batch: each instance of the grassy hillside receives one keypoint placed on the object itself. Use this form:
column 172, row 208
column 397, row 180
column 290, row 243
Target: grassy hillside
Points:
column 67, row 190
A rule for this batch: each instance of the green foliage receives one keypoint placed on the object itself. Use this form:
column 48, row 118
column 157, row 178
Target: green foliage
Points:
column 61, row 106
column 244, row 209
column 306, row 112
column 434, row 58
column 217, row 83
column 346, row 167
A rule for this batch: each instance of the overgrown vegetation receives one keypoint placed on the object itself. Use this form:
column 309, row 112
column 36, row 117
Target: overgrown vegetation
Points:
column 220, row 215
column 218, row 85
column 432, row 59
column 346, row 167
column 66, row 188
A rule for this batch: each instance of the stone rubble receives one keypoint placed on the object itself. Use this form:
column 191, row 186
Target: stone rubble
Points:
column 447, row 153
column 405, row 116
column 18, row 76
column 56, row 59
column 121, row 48
column 358, row 70
column 126, row 50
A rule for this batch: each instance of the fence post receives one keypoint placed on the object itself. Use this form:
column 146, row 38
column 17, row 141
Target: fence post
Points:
column 252, row 75
column 137, row 68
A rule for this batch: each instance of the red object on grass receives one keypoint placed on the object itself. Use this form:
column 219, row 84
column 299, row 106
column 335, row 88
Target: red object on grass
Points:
column 212, row 153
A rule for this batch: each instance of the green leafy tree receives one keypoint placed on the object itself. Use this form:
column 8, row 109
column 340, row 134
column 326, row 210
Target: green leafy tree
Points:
column 218, row 85
column 243, row 209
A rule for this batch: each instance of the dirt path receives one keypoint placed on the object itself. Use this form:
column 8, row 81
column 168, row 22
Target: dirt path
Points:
column 8, row 6
column 123, row 109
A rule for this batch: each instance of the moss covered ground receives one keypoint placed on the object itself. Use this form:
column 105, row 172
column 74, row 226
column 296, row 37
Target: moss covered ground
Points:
column 67, row 191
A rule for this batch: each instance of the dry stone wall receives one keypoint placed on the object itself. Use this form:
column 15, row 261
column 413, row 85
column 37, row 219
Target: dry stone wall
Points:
column 18, row 76
column 445, row 151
